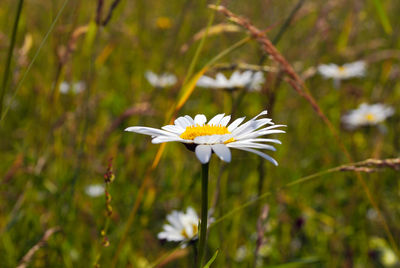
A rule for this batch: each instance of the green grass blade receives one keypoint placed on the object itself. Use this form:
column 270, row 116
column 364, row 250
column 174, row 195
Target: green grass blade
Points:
column 53, row 24
column 9, row 55
column 212, row 259
column 387, row 27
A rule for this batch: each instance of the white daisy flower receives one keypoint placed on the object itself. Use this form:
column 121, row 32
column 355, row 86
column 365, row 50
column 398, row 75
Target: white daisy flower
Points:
column 346, row 71
column 94, row 190
column 181, row 227
column 248, row 79
column 161, row 81
column 366, row 115
column 75, row 88
column 216, row 135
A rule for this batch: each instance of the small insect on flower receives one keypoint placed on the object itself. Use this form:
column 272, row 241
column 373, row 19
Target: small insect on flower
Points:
column 161, row 81
column 216, row 135
column 346, row 71
column 182, row 226
column 250, row 80
column 367, row 115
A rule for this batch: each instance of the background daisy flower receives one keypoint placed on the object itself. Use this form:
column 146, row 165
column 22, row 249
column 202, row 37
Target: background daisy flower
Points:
column 217, row 135
column 366, row 115
column 161, row 81
column 94, row 190
column 346, row 71
column 248, row 79
column 75, row 88
column 181, row 227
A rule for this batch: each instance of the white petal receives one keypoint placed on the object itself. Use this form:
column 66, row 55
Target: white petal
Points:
column 251, row 126
column 235, row 124
column 192, row 213
column 173, row 218
column 264, row 140
column 239, row 144
column 149, row 131
column 200, row 119
column 174, row 129
column 216, row 119
column 248, row 123
column 261, row 132
column 263, row 155
column 161, row 139
column 203, row 153
column 222, row 152
column 190, row 119
column 224, row 121
column 182, row 122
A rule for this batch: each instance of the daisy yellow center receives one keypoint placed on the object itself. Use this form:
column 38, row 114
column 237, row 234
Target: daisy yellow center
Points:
column 186, row 235
column 191, row 132
column 341, row 69
column 370, row 117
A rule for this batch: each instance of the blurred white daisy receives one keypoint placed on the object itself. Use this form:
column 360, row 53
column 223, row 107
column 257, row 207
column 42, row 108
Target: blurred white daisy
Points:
column 181, row 227
column 346, row 71
column 367, row 115
column 387, row 256
column 248, row 79
column 160, row 81
column 216, row 135
column 94, row 190
column 75, row 88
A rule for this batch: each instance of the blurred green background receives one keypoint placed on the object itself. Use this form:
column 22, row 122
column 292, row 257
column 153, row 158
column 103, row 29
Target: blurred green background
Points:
column 55, row 145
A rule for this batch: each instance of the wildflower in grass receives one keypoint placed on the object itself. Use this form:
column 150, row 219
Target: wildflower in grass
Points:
column 164, row 23
column 250, row 80
column 94, row 190
column 346, row 71
column 217, row 135
column 161, row 81
column 367, row 115
column 181, row 227
column 386, row 255
column 75, row 88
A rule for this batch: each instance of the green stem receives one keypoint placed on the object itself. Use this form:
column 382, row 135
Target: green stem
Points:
column 19, row 85
column 9, row 54
column 204, row 214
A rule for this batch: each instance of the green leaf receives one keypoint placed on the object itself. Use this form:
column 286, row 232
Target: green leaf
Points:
column 382, row 16
column 211, row 260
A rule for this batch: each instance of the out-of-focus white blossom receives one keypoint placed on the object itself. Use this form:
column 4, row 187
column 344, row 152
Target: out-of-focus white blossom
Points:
column 346, row 71
column 181, row 227
column 250, row 80
column 367, row 114
column 94, row 190
column 160, row 81
column 75, row 88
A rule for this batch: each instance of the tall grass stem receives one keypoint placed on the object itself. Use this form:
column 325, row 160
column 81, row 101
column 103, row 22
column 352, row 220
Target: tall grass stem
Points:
column 204, row 214
column 53, row 24
column 9, row 55
column 199, row 48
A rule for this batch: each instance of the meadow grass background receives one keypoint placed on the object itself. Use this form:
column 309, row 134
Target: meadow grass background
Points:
column 54, row 145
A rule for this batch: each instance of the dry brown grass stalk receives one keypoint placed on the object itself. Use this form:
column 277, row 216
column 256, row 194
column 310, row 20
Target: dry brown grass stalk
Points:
column 64, row 52
column 293, row 78
column 371, row 165
column 28, row 256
